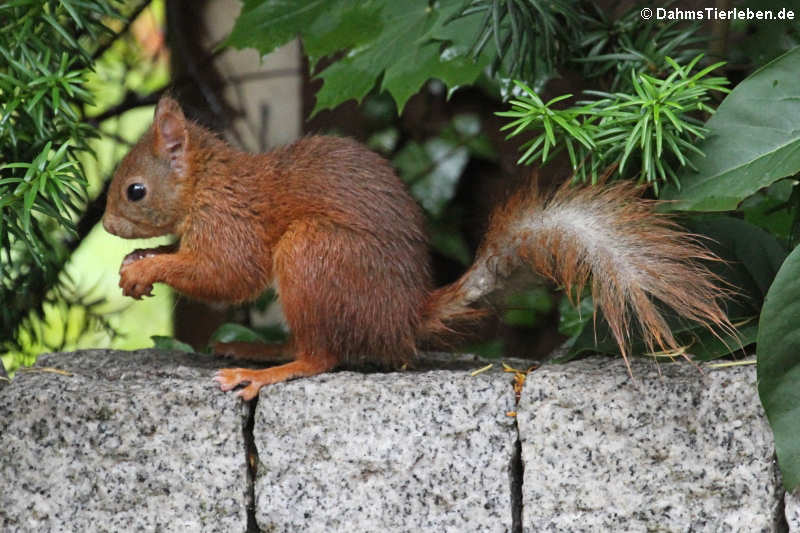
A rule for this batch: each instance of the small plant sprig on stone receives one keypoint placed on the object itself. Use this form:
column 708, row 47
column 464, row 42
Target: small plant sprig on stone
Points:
column 647, row 132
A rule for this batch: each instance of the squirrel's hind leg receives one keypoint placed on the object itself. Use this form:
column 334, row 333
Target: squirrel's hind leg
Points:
column 304, row 366
column 255, row 351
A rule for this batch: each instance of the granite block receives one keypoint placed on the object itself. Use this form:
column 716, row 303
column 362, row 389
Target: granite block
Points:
column 410, row 451
column 121, row 441
column 676, row 450
column 792, row 510
column 117, row 441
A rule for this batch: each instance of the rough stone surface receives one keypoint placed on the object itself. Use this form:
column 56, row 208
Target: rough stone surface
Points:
column 412, row 451
column 126, row 441
column 676, row 451
column 792, row 503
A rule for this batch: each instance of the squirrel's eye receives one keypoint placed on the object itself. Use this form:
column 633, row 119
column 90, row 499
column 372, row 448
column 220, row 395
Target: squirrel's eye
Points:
column 136, row 191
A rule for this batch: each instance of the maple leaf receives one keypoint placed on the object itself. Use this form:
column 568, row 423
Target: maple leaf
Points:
column 397, row 46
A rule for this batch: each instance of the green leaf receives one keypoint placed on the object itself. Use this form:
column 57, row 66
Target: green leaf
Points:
column 573, row 318
column 779, row 366
column 232, row 332
column 326, row 27
column 774, row 209
column 526, row 308
column 701, row 344
column 345, row 24
column 267, row 24
column 170, row 343
column 752, row 257
column 345, row 80
column 404, row 53
column 404, row 78
column 30, row 196
column 753, row 141
column 403, row 44
column 706, row 346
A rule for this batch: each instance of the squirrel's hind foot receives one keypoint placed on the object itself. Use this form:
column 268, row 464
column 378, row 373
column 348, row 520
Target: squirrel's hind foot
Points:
column 230, row 378
column 254, row 351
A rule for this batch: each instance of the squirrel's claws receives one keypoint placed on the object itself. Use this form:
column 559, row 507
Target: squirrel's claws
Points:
column 249, row 392
column 225, row 383
column 134, row 281
column 230, row 378
column 135, row 290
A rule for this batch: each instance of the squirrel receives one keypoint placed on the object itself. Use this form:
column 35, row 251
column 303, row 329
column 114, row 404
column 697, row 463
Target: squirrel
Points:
column 329, row 225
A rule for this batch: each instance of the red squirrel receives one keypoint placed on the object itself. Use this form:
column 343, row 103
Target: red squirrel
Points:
column 329, row 225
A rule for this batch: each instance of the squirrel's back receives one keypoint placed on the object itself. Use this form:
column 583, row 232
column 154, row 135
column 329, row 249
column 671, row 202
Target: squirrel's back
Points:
column 343, row 180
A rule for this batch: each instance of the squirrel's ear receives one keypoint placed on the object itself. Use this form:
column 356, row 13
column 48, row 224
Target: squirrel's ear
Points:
column 171, row 133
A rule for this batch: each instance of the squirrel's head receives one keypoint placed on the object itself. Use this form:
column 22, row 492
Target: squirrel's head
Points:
column 147, row 195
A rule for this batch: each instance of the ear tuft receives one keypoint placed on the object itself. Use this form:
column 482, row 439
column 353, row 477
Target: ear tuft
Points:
column 171, row 132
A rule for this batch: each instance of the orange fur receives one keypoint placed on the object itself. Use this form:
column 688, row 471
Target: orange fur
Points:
column 330, row 226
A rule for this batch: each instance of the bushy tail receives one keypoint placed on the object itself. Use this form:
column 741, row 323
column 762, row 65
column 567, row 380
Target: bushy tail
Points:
column 604, row 235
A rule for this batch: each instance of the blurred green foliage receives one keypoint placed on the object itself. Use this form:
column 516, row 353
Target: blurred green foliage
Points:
column 45, row 55
column 58, row 291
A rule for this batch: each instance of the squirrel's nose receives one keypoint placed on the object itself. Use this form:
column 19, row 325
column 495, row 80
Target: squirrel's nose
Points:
column 110, row 224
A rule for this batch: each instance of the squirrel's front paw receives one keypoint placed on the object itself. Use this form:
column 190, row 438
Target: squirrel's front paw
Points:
column 135, row 255
column 141, row 253
column 134, row 281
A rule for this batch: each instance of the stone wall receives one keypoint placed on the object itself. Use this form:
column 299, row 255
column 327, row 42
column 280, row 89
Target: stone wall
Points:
column 121, row 441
